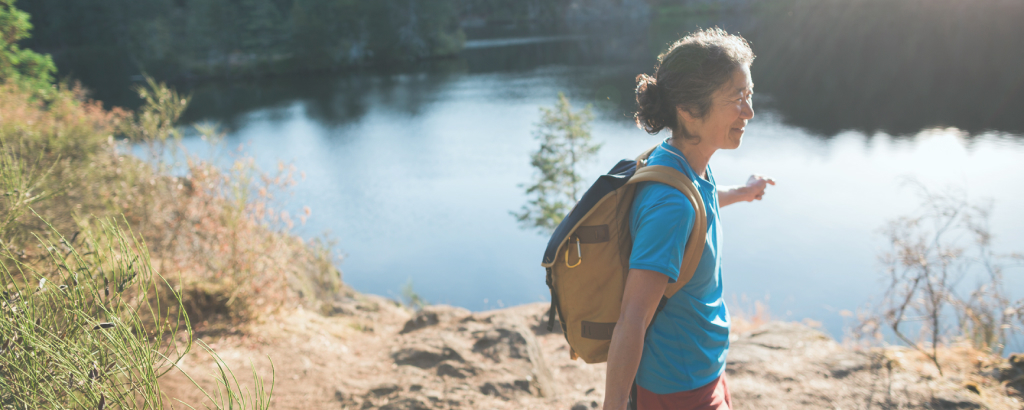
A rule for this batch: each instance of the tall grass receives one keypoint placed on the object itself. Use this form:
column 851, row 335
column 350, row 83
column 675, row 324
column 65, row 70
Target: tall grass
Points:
column 222, row 233
column 87, row 321
column 84, row 324
column 59, row 146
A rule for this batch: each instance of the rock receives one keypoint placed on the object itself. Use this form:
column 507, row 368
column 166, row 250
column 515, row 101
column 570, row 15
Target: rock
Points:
column 447, row 358
column 425, row 356
column 368, row 306
column 490, row 389
column 422, row 319
column 407, row 403
column 384, row 390
column 972, row 387
column 1017, row 361
column 512, row 337
column 1012, row 391
column 846, row 363
column 504, row 389
column 582, row 405
column 1011, row 373
column 340, row 309
column 450, row 370
column 954, row 401
column 501, row 344
column 786, row 336
column 523, row 385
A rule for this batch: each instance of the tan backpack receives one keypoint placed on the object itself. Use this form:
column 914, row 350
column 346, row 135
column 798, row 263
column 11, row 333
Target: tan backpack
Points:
column 587, row 258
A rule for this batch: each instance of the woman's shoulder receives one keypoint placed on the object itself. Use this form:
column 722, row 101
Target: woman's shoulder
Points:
column 664, row 198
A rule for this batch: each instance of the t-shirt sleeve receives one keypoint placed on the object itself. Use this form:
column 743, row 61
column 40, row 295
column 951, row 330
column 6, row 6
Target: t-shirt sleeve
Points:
column 660, row 221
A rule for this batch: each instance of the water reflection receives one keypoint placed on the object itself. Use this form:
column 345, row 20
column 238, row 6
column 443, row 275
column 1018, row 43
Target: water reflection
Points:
column 892, row 67
column 332, row 100
column 823, row 65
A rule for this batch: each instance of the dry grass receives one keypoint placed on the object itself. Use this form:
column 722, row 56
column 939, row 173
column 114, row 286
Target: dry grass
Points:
column 62, row 145
column 747, row 314
column 89, row 318
column 963, row 365
column 220, row 236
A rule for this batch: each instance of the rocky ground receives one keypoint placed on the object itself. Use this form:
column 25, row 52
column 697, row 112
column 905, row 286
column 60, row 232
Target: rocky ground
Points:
column 370, row 352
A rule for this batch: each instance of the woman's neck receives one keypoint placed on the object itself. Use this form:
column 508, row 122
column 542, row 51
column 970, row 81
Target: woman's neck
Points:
column 697, row 155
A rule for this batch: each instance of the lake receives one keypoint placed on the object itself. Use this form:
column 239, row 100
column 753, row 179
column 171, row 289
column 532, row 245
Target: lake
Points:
column 414, row 171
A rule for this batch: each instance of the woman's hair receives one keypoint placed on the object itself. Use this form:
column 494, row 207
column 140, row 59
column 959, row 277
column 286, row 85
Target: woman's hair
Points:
column 686, row 76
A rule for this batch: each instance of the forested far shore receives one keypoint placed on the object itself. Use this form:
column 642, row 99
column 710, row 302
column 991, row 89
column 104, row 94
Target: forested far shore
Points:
column 881, row 57
column 202, row 38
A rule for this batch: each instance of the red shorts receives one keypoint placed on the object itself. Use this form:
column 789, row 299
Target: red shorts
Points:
column 713, row 396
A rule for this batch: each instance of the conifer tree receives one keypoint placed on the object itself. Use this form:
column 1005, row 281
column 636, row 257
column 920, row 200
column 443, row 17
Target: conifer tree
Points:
column 19, row 65
column 565, row 144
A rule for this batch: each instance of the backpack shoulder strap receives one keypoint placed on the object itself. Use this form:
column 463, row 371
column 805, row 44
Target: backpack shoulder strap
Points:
column 641, row 161
column 695, row 243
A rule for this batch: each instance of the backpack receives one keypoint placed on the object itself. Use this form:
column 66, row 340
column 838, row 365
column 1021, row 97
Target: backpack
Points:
column 587, row 257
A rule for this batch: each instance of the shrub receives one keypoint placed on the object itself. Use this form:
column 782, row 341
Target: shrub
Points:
column 930, row 257
column 64, row 143
column 220, row 232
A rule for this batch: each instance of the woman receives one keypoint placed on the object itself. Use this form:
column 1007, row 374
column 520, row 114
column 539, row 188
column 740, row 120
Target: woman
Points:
column 701, row 91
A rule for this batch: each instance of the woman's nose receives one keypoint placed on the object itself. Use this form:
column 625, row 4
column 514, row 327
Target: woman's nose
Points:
column 747, row 111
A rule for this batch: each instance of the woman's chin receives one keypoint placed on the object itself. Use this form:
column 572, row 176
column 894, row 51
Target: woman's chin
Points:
column 735, row 142
column 734, row 139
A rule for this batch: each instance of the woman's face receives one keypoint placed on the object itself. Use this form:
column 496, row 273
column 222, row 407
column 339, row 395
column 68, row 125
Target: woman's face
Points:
column 725, row 123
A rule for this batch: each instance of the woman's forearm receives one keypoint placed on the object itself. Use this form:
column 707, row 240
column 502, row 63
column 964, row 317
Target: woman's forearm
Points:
column 640, row 298
column 623, row 360
column 729, row 195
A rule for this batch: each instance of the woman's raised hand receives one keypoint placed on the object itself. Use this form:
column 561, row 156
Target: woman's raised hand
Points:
column 755, row 187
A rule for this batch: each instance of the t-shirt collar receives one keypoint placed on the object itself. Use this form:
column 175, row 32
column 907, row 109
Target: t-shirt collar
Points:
column 678, row 155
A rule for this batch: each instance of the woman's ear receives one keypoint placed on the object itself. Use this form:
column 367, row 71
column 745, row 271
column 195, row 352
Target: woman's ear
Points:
column 684, row 118
column 684, row 115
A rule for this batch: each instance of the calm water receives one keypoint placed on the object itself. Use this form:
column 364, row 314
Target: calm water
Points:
column 415, row 172
column 421, row 190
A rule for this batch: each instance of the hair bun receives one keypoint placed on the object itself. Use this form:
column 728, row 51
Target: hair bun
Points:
column 650, row 114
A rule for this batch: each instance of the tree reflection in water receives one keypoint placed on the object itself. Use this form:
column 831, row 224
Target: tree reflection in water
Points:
column 894, row 66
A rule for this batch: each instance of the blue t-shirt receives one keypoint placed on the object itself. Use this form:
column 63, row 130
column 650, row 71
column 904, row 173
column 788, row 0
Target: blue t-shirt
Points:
column 688, row 341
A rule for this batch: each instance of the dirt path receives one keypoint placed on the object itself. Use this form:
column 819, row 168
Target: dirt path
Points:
column 371, row 353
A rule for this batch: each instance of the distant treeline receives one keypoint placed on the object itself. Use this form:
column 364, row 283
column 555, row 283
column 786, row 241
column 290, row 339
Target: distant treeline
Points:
column 893, row 66
column 171, row 38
